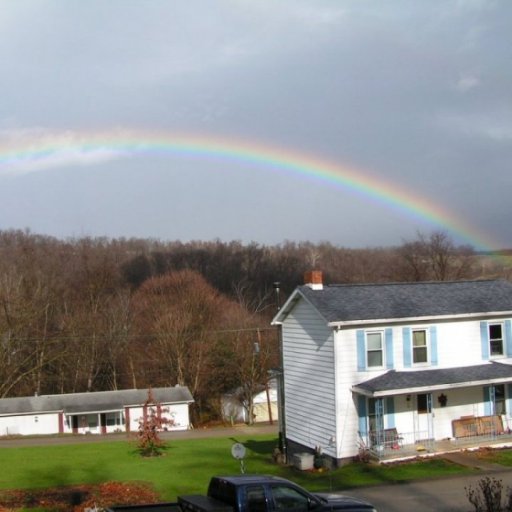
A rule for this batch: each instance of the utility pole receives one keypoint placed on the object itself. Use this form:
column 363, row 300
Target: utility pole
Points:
column 280, row 379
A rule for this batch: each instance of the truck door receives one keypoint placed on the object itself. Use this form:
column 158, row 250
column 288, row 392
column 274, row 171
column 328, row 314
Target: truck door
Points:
column 288, row 499
column 255, row 499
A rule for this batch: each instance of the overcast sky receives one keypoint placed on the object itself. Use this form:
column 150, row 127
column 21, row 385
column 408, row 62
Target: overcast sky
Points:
column 414, row 94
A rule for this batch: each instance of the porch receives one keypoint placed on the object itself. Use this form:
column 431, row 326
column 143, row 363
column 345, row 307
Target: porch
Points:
column 390, row 445
column 414, row 413
column 96, row 423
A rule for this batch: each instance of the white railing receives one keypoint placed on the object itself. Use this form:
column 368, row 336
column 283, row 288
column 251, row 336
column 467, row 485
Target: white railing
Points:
column 391, row 443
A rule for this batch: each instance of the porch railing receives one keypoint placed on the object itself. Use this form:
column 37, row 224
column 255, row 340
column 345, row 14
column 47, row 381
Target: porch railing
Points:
column 390, row 443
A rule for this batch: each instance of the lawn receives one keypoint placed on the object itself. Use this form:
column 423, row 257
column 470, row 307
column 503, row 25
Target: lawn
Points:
column 186, row 466
column 503, row 457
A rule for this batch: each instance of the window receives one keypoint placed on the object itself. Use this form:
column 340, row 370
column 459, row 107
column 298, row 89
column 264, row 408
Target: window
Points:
column 496, row 339
column 256, row 501
column 419, row 346
column 286, row 498
column 374, row 350
column 499, row 399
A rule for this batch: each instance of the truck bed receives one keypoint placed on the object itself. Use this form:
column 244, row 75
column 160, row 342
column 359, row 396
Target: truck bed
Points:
column 150, row 507
column 200, row 503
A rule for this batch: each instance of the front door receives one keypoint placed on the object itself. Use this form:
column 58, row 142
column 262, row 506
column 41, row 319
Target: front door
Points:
column 423, row 424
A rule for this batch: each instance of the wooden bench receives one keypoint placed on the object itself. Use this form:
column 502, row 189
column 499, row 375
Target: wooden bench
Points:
column 469, row 426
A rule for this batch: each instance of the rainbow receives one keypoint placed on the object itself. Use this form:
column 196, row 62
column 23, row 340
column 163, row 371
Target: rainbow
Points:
column 54, row 150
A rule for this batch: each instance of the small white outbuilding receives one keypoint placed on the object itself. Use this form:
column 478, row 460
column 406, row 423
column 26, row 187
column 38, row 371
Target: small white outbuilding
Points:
column 99, row 412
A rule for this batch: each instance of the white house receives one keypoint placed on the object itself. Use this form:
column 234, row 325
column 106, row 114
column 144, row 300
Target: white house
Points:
column 235, row 408
column 391, row 367
column 100, row 412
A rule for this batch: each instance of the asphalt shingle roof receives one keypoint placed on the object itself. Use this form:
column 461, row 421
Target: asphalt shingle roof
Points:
column 339, row 303
column 92, row 402
column 403, row 380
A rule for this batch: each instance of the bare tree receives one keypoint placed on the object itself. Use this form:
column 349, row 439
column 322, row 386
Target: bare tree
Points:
column 435, row 257
column 175, row 315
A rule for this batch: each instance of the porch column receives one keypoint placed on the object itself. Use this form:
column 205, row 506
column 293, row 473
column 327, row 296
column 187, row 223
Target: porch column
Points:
column 127, row 418
column 489, row 400
column 492, row 399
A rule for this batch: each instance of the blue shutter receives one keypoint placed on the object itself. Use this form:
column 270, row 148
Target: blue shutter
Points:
column 487, row 401
column 433, row 345
column 361, row 412
column 390, row 411
column 484, row 337
column 390, row 359
column 509, row 400
column 407, row 346
column 508, row 338
column 361, row 352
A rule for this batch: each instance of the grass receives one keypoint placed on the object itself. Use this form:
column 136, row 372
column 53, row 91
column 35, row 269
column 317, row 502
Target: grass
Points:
column 187, row 466
column 503, row 457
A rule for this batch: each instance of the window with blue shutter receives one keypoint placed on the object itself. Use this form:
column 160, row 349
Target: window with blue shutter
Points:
column 390, row 364
column 406, row 339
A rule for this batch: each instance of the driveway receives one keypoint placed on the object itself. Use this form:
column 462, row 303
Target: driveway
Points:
column 446, row 495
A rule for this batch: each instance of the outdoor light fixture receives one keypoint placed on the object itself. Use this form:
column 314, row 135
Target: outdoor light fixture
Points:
column 442, row 399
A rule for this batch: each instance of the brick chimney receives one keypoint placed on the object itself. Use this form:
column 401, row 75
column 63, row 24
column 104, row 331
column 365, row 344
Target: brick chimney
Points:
column 314, row 279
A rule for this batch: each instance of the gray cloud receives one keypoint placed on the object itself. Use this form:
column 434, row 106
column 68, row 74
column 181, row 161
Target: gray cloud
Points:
column 414, row 93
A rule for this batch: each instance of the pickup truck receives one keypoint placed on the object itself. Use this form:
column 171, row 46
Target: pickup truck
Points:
column 254, row 493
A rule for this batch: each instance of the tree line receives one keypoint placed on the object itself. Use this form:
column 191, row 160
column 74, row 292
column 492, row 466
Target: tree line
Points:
column 95, row 314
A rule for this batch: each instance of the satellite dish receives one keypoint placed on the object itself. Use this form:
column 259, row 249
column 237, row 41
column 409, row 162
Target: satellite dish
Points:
column 238, row 451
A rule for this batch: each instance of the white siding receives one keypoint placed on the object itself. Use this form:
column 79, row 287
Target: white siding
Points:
column 177, row 412
column 308, row 361
column 459, row 343
column 29, row 424
column 347, row 375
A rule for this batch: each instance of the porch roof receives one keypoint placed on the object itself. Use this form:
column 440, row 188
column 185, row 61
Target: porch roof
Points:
column 416, row 381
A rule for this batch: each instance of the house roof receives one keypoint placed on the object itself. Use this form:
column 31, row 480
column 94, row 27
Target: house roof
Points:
column 365, row 302
column 397, row 382
column 101, row 401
